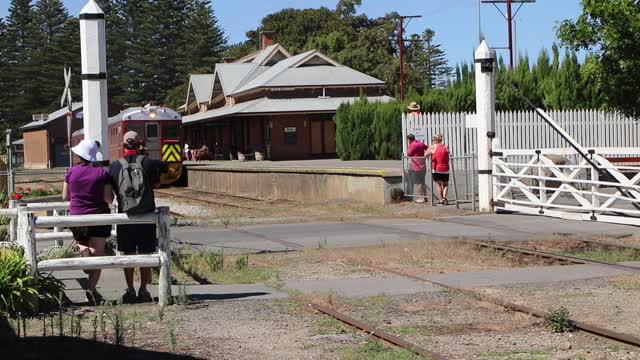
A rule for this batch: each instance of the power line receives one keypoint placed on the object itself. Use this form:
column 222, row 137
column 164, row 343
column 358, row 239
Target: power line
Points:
column 509, row 16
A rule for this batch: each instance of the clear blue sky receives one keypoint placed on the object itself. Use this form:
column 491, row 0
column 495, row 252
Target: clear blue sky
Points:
column 454, row 21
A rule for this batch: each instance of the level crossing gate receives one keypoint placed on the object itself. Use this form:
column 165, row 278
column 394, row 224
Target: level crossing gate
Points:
column 573, row 182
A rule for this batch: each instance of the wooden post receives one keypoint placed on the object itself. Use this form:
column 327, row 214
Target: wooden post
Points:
column 10, row 186
column 164, row 253
column 27, row 236
column 58, row 242
column 12, row 224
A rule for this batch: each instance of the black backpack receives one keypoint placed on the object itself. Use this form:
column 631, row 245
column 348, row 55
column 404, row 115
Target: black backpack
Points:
column 135, row 194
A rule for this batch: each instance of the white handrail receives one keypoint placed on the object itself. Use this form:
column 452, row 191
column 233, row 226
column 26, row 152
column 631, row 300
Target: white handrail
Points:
column 94, row 220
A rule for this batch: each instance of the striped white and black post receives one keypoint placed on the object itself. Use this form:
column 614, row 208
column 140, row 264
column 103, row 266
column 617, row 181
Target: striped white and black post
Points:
column 94, row 75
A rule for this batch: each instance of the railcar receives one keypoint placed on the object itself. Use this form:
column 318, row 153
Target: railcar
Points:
column 160, row 130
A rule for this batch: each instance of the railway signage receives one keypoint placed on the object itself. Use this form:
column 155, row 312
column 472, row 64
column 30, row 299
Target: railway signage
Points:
column 171, row 152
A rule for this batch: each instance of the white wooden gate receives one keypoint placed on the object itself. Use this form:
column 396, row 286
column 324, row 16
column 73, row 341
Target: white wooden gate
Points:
column 563, row 183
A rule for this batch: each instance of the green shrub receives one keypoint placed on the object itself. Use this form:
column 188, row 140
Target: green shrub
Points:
column 559, row 320
column 242, row 262
column 369, row 130
column 22, row 294
column 214, row 259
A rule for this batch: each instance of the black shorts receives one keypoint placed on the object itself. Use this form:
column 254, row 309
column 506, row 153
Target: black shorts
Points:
column 441, row 177
column 417, row 177
column 139, row 238
column 82, row 234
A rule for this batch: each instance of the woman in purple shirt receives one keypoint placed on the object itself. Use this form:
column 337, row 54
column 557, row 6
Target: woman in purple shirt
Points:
column 87, row 186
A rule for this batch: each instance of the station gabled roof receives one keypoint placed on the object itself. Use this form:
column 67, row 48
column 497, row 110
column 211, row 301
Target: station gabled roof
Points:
column 278, row 106
column 51, row 117
column 274, row 67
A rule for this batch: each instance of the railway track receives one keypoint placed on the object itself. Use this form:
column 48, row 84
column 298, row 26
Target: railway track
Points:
column 380, row 334
column 205, row 201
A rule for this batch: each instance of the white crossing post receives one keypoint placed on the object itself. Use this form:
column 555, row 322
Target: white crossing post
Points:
column 485, row 121
column 164, row 252
column 94, row 76
column 27, row 236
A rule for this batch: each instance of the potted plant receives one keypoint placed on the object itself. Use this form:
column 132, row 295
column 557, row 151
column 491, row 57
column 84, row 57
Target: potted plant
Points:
column 259, row 153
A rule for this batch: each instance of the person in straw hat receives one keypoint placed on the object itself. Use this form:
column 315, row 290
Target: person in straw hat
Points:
column 87, row 186
column 414, row 108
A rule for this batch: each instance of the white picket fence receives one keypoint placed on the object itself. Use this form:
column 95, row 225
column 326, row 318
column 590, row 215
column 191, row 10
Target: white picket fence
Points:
column 526, row 130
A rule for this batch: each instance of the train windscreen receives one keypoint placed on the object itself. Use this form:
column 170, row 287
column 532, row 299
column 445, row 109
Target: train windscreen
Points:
column 171, row 131
column 137, row 127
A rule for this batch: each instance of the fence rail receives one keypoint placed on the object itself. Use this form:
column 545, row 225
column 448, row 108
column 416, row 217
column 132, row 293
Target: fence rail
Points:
column 526, row 130
column 27, row 223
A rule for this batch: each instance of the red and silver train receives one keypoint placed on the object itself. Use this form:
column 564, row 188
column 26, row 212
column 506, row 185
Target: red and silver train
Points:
column 160, row 130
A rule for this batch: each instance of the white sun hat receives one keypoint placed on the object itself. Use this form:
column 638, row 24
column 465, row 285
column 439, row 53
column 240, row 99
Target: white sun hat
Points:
column 86, row 149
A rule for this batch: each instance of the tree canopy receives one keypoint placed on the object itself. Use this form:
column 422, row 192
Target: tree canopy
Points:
column 610, row 30
column 369, row 45
column 152, row 46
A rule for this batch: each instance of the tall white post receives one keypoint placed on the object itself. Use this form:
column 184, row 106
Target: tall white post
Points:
column 485, row 121
column 94, row 76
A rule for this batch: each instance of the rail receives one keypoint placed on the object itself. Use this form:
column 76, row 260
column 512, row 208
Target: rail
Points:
column 27, row 223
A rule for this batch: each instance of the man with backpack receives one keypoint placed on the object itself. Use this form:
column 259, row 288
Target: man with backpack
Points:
column 133, row 177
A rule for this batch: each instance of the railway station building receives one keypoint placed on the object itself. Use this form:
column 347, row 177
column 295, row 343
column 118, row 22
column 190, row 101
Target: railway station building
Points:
column 272, row 102
column 45, row 137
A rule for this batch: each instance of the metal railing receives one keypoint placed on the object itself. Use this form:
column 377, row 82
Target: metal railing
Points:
column 460, row 168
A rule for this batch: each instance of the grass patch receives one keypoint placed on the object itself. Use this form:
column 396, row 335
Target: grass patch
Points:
column 378, row 350
column 215, row 267
column 605, row 255
column 528, row 354
column 325, row 325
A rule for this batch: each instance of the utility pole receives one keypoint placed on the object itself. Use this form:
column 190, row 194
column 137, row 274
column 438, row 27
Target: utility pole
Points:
column 509, row 16
column 401, row 41
column 510, row 26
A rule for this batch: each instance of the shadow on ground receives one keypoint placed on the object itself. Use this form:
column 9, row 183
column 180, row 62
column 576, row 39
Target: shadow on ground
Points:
column 68, row 348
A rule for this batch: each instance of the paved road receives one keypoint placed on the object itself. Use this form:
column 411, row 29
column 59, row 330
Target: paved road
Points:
column 278, row 237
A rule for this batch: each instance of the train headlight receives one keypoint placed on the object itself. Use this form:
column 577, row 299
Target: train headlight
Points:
column 152, row 114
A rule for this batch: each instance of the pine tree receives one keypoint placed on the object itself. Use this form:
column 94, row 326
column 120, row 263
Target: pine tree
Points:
column 432, row 63
column 50, row 19
column 203, row 41
column 4, row 89
column 21, row 42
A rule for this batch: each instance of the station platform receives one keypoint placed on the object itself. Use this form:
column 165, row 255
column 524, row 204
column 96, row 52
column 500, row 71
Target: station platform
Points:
column 301, row 180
